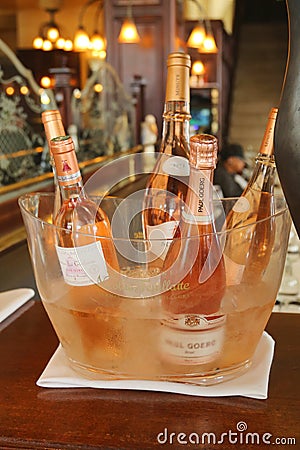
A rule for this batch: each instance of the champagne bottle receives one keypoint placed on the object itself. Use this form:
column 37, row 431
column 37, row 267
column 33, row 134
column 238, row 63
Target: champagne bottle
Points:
column 167, row 185
column 246, row 257
column 84, row 259
column 53, row 127
column 193, row 274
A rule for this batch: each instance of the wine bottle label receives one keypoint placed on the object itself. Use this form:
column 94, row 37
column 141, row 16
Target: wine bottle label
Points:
column 160, row 237
column 176, row 166
column 241, row 205
column 199, row 206
column 67, row 168
column 82, row 266
column 187, row 347
column 69, row 178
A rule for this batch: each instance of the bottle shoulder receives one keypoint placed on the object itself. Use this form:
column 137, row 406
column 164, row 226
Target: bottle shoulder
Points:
column 78, row 212
column 175, row 145
column 169, row 164
column 254, row 204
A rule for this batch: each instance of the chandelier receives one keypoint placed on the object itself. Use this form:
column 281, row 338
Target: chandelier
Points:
column 50, row 37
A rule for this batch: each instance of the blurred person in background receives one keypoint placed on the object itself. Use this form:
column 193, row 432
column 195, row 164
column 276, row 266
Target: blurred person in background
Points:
column 228, row 174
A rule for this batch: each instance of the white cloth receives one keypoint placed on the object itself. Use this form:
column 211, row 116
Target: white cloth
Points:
column 12, row 300
column 253, row 383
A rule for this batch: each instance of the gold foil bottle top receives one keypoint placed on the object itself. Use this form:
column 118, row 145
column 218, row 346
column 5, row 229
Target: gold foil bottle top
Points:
column 50, row 115
column 178, row 86
column 179, row 59
column 267, row 145
column 203, row 151
column 52, row 124
column 62, row 144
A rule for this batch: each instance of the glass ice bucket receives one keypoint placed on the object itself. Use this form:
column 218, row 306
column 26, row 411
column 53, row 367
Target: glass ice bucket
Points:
column 116, row 323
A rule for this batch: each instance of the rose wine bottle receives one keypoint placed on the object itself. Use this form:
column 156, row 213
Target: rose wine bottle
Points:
column 167, row 185
column 247, row 257
column 84, row 258
column 193, row 274
column 53, row 128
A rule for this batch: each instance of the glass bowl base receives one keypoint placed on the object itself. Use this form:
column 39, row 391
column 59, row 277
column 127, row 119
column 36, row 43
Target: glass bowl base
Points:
column 197, row 379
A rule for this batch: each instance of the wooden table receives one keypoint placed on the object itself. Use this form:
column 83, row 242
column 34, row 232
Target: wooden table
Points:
column 37, row 418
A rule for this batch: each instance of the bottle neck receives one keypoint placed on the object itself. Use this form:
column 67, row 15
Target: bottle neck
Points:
column 53, row 128
column 68, row 172
column 267, row 145
column 176, row 127
column 263, row 177
column 199, row 206
column 172, row 108
column 71, row 191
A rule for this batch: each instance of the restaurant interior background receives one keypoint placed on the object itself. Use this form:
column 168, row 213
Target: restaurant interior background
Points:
column 105, row 95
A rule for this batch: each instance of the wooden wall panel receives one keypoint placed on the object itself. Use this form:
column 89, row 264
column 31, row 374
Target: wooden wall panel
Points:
column 156, row 24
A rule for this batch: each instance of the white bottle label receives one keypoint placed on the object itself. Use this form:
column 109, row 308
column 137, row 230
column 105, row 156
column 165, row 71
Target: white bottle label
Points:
column 84, row 265
column 160, row 237
column 241, row 205
column 176, row 166
column 198, row 208
column 186, row 347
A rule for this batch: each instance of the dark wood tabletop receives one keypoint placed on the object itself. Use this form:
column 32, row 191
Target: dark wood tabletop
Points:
column 32, row 417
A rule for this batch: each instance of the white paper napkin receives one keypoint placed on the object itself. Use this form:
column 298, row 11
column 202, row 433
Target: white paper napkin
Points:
column 12, row 300
column 253, row 383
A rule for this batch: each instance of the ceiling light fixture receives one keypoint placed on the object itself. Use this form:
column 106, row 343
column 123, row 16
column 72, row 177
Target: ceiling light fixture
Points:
column 128, row 33
column 202, row 36
column 197, row 36
column 82, row 41
column 209, row 44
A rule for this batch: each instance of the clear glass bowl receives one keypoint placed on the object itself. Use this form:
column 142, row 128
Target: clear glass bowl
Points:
column 119, row 327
